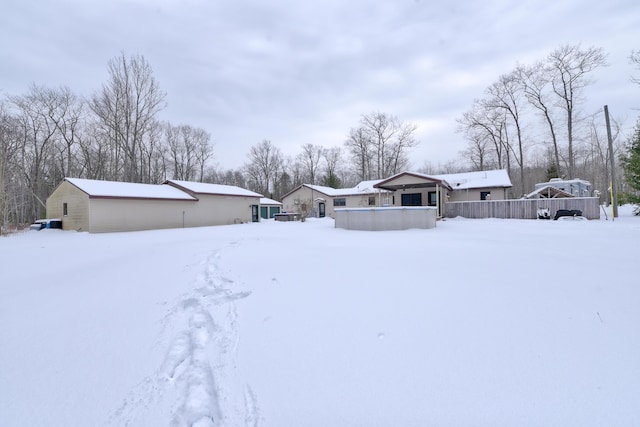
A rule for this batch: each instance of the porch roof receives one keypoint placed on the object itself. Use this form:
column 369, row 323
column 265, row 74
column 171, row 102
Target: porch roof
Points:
column 405, row 180
column 548, row 192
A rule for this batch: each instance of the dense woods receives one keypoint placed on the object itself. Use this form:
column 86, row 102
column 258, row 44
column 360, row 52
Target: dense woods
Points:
column 530, row 121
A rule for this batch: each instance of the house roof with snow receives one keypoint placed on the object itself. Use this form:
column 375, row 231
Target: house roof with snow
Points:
column 213, row 189
column 480, row 179
column 549, row 192
column 405, row 179
column 267, row 201
column 128, row 190
column 363, row 188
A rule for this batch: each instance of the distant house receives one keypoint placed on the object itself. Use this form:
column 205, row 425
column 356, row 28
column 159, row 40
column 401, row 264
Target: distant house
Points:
column 417, row 189
column 104, row 206
column 269, row 207
column 319, row 201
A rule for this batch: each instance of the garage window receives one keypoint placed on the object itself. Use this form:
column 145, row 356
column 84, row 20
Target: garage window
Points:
column 65, row 210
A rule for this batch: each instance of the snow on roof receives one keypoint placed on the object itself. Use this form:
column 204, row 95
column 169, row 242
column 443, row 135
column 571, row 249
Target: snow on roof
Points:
column 548, row 190
column 206, row 188
column 97, row 188
column 479, row 179
column 364, row 187
column 267, row 201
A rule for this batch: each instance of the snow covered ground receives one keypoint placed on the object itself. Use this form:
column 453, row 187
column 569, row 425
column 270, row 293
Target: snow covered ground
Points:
column 473, row 323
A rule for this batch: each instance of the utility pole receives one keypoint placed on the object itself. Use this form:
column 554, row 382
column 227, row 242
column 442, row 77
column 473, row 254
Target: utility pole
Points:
column 613, row 190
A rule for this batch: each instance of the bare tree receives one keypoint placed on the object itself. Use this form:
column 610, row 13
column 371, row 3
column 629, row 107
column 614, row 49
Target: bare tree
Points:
column 9, row 173
column 310, row 159
column 264, row 165
column 332, row 161
column 126, row 108
column 505, row 95
column 536, row 81
column 635, row 59
column 37, row 136
column 485, row 126
column 569, row 67
column 360, row 146
column 379, row 146
column 188, row 150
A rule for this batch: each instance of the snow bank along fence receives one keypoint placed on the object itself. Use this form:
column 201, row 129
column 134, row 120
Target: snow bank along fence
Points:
column 522, row 208
column 391, row 218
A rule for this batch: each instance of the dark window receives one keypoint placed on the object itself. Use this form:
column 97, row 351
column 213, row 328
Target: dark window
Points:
column 485, row 195
column 340, row 202
column 412, row 199
column 64, row 209
column 433, row 201
column 372, row 200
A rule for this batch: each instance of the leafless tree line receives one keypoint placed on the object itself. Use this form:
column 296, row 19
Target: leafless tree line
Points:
column 48, row 134
column 532, row 118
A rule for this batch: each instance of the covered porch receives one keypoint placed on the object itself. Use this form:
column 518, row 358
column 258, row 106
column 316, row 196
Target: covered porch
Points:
column 415, row 189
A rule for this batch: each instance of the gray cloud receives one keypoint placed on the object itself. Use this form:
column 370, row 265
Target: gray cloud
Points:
column 295, row 73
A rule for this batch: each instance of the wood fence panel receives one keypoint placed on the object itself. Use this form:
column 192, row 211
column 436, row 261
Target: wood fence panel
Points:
column 522, row 208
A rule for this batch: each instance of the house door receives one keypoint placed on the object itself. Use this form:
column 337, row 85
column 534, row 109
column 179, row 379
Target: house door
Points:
column 321, row 210
column 255, row 217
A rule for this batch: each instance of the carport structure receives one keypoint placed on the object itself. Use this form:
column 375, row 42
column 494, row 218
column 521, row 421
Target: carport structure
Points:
column 416, row 189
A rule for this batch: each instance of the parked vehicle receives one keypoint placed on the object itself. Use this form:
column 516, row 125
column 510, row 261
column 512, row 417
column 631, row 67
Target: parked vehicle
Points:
column 41, row 224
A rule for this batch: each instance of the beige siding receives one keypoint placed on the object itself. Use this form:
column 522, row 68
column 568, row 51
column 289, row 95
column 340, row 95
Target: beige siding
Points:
column 77, row 201
column 472, row 195
column 305, row 195
column 408, row 180
column 135, row 214
column 293, row 202
column 132, row 214
column 222, row 210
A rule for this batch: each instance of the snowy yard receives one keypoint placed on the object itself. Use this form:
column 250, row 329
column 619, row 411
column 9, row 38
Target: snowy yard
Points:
column 473, row 323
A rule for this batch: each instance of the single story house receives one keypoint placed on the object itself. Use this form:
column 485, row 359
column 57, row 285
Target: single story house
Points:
column 320, row 201
column 417, row 189
column 105, row 206
column 402, row 189
column 269, row 207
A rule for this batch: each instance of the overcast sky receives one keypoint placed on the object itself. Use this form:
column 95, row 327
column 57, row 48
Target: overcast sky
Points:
column 297, row 72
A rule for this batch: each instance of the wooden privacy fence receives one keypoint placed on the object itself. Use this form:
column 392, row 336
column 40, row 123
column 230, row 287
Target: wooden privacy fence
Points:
column 522, row 208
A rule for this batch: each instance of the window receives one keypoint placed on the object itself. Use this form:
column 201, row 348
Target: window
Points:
column 433, row 201
column 65, row 210
column 341, row 201
column 372, row 200
column 485, row 195
column 412, row 199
